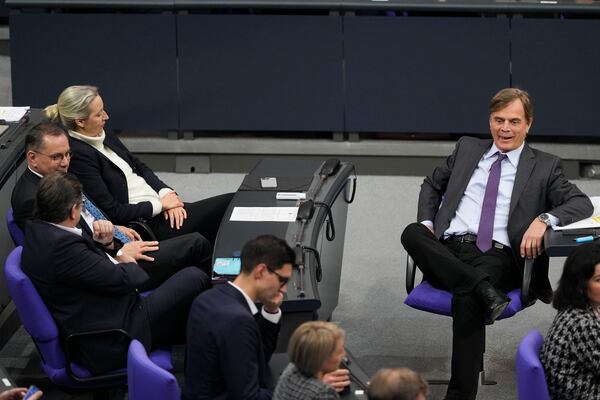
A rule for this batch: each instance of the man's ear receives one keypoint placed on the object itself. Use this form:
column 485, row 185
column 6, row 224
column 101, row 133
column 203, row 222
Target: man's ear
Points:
column 31, row 157
column 259, row 270
column 73, row 212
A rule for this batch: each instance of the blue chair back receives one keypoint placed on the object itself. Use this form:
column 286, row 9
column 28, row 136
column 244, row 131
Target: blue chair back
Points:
column 531, row 381
column 146, row 380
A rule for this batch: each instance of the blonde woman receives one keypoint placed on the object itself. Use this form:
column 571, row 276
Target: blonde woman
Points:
column 118, row 182
column 316, row 350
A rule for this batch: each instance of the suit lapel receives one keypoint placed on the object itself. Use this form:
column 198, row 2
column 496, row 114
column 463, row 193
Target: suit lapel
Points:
column 233, row 292
column 113, row 165
column 464, row 171
column 526, row 164
column 467, row 169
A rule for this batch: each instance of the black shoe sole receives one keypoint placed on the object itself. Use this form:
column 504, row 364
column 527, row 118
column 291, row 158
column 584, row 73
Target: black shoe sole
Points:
column 496, row 312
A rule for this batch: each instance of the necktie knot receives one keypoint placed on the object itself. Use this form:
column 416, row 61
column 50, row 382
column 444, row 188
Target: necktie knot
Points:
column 499, row 157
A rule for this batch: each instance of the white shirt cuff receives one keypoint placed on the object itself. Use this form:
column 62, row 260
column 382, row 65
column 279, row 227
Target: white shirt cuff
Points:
column 156, row 207
column 274, row 318
column 428, row 224
column 553, row 220
column 164, row 191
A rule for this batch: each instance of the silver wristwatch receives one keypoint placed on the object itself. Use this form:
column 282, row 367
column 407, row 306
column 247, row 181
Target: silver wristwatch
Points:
column 545, row 218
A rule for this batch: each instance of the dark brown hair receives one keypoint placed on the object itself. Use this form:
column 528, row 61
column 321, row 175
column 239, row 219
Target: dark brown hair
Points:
column 506, row 96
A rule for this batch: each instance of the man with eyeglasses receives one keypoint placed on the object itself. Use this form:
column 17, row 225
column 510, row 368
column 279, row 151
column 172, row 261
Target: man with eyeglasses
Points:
column 86, row 292
column 47, row 150
column 229, row 341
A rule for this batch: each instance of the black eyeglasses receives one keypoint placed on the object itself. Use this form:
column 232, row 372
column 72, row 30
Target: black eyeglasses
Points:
column 282, row 279
column 57, row 157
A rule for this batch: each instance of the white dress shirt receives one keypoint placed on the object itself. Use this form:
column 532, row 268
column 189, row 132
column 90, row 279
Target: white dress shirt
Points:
column 274, row 318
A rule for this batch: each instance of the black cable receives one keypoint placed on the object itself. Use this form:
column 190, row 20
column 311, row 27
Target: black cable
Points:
column 330, row 231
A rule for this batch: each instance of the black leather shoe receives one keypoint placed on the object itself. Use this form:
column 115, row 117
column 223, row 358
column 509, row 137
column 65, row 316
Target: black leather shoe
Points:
column 494, row 301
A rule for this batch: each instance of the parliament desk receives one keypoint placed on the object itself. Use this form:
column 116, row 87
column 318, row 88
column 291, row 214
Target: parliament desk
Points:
column 12, row 155
column 313, row 293
column 560, row 244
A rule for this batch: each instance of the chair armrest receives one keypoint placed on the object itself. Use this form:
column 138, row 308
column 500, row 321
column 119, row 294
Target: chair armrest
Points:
column 69, row 345
column 526, row 299
column 410, row 274
column 140, row 226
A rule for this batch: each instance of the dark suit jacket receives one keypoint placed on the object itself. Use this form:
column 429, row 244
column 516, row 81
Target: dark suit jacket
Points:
column 227, row 348
column 539, row 187
column 23, row 198
column 23, row 204
column 106, row 184
column 85, row 291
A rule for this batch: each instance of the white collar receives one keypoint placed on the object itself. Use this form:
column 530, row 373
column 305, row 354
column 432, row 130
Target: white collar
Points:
column 513, row 155
column 76, row 231
column 251, row 304
column 35, row 173
column 94, row 141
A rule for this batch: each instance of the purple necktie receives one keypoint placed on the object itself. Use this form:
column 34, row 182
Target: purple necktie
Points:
column 488, row 209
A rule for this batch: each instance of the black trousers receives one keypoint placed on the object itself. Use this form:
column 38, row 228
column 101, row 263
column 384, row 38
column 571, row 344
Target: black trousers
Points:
column 458, row 268
column 173, row 254
column 203, row 216
column 169, row 304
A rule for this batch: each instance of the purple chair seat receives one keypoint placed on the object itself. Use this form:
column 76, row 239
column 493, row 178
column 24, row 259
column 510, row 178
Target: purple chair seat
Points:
column 531, row 381
column 40, row 325
column 427, row 298
column 146, row 379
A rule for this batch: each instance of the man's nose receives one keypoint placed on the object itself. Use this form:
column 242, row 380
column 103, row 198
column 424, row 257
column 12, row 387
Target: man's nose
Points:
column 284, row 288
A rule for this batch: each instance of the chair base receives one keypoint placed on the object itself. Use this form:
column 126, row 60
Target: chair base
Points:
column 483, row 381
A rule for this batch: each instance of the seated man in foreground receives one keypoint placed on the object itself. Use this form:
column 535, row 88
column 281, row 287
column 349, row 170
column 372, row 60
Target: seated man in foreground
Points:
column 85, row 289
column 229, row 341
column 47, row 150
column 480, row 214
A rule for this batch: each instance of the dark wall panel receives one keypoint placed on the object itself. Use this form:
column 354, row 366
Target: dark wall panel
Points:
column 558, row 62
column 260, row 72
column 130, row 57
column 423, row 74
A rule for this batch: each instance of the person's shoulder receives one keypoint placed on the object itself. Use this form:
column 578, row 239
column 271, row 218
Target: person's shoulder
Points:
column 220, row 299
column 543, row 155
column 471, row 142
column 573, row 319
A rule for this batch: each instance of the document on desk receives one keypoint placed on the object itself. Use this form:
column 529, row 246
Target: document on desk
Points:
column 12, row 114
column 264, row 214
column 591, row 222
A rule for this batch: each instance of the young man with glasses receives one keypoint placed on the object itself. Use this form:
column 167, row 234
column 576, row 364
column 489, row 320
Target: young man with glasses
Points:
column 229, row 340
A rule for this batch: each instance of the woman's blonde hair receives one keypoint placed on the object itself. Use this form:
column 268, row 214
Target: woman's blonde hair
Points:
column 311, row 344
column 72, row 104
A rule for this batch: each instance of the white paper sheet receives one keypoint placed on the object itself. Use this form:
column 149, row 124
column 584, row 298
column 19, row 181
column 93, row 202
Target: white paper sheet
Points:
column 264, row 214
column 591, row 222
column 12, row 114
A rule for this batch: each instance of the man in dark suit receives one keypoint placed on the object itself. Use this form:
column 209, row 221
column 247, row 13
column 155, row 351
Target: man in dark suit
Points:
column 229, row 340
column 480, row 215
column 86, row 290
column 47, row 150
